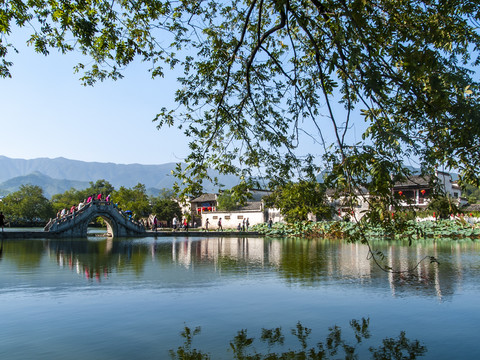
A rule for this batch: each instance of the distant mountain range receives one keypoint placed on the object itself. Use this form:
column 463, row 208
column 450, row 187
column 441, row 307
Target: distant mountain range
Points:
column 58, row 175
column 49, row 185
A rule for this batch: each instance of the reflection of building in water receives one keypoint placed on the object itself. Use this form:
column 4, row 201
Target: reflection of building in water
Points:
column 274, row 253
column 296, row 260
column 182, row 252
column 413, row 270
column 252, row 250
column 314, row 260
column 353, row 261
column 426, row 277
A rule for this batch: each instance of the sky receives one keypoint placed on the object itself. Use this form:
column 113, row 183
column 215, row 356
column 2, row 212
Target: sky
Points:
column 47, row 112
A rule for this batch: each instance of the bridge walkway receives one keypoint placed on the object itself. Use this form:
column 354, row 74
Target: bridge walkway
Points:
column 76, row 224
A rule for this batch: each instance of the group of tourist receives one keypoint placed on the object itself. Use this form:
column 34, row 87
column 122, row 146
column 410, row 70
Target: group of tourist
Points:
column 183, row 224
column 153, row 223
column 243, row 226
column 63, row 213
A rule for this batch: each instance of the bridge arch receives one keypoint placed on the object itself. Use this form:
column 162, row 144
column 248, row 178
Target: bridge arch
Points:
column 111, row 226
column 76, row 224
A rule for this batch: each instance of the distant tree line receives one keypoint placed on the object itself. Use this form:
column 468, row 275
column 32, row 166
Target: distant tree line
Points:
column 296, row 200
column 29, row 207
column 472, row 193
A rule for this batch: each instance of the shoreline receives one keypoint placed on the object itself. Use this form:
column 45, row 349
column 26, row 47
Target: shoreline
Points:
column 149, row 233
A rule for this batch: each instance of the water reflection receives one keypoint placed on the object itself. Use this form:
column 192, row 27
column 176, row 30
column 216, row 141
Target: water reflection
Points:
column 335, row 346
column 296, row 261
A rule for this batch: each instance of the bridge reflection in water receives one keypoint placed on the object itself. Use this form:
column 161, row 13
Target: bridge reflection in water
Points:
column 305, row 262
column 118, row 223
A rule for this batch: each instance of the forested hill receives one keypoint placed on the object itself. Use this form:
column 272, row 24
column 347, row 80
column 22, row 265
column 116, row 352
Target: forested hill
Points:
column 49, row 185
column 152, row 176
column 61, row 168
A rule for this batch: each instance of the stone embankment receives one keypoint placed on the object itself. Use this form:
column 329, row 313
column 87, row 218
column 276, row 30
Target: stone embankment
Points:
column 165, row 233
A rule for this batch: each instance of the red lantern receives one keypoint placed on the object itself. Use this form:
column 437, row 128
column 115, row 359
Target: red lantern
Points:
column 422, row 191
column 400, row 193
column 209, row 208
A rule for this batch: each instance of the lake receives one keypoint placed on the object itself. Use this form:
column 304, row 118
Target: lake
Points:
column 103, row 298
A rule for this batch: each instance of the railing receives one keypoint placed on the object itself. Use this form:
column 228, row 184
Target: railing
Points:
column 65, row 222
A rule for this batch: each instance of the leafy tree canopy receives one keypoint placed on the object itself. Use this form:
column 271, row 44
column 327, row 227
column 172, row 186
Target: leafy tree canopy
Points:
column 236, row 197
column 74, row 196
column 166, row 194
column 166, row 209
column 134, row 199
column 67, row 199
column 261, row 75
column 297, row 200
column 101, row 186
column 472, row 193
column 443, row 206
column 27, row 205
column 226, row 201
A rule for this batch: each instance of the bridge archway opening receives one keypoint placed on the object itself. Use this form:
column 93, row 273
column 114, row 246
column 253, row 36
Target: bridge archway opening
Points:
column 100, row 231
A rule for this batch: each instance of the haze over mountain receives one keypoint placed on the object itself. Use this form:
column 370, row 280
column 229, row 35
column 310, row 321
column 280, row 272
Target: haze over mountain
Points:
column 49, row 185
column 60, row 174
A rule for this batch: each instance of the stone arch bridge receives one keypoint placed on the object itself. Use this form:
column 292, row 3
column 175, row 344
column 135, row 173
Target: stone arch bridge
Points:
column 75, row 225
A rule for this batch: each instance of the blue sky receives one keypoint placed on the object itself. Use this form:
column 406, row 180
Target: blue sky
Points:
column 47, row 112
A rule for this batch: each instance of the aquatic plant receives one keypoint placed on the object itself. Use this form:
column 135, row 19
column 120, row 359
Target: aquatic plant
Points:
column 410, row 229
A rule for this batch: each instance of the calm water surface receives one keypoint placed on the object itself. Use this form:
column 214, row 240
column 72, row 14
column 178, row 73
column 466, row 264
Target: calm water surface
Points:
column 130, row 298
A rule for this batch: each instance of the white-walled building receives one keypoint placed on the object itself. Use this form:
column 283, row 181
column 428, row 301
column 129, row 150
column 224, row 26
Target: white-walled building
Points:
column 349, row 207
column 205, row 207
column 253, row 211
column 417, row 190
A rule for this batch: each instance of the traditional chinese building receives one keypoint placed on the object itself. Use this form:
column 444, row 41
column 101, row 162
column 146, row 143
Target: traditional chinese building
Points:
column 205, row 206
column 417, row 190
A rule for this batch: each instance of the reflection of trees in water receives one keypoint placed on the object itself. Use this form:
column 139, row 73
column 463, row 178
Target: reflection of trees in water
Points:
column 335, row 346
column 298, row 261
column 24, row 253
column 303, row 260
column 307, row 262
column 429, row 278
